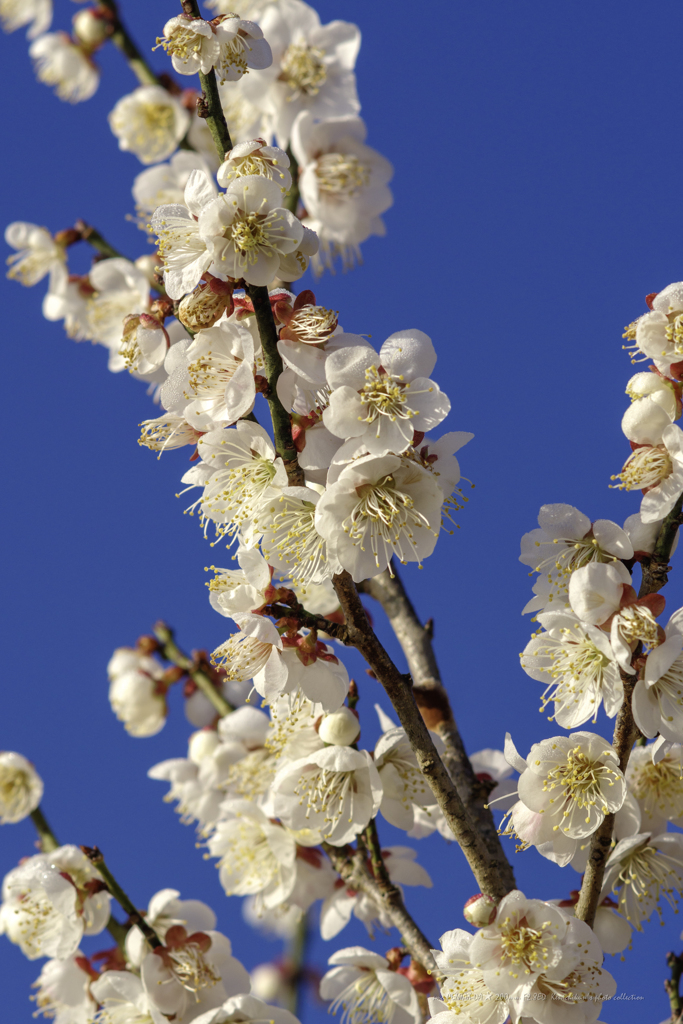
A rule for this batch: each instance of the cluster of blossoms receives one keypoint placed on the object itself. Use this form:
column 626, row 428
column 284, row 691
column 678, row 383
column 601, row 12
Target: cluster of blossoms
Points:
column 351, row 479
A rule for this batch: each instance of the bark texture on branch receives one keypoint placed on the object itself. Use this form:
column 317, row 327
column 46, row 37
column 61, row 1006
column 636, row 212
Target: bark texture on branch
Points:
column 433, row 701
column 399, row 689
column 655, row 576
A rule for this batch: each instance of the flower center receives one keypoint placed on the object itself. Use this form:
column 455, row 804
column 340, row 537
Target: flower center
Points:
column 166, row 432
column 638, row 623
column 182, row 43
column 291, row 534
column 646, row 467
column 581, row 781
column 466, row 993
column 251, row 776
column 231, row 57
column 383, row 395
column 364, row 1001
column 523, row 946
column 341, row 174
column 388, row 516
column 210, row 374
column 191, row 969
column 241, row 657
column 303, row 69
column 324, row 792
column 658, row 786
column 15, row 785
column 313, row 324
column 248, row 234
column 674, row 333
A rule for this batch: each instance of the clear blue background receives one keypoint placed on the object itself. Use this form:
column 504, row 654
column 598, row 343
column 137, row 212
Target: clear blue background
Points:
column 537, row 201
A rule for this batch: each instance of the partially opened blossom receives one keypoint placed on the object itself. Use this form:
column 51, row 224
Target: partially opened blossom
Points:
column 579, row 667
column 312, row 67
column 655, row 404
column 464, row 993
column 241, row 47
column 657, row 470
column 343, row 184
column 149, row 122
column 243, row 589
column 192, row 972
column 255, row 157
column 182, row 246
column 165, row 911
column 380, row 506
column 167, row 432
column 255, row 855
column 119, row 290
column 658, row 696
column 366, row 990
column 164, row 184
column 255, row 652
column 21, row 787
column 314, row 670
column 334, row 792
column 64, row 65
column 657, row 786
column 643, row 870
column 658, row 335
column 403, row 784
column 137, row 692
column 50, row 901
column 38, row 254
column 37, row 14
column 63, row 990
column 566, row 540
column 596, row 591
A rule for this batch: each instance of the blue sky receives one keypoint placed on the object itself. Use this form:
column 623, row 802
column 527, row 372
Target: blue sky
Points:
column 537, row 196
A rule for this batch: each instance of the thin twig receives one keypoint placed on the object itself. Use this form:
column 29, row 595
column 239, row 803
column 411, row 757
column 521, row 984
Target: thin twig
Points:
column 351, row 866
column 400, row 691
column 122, row 39
column 295, row 963
column 655, row 575
column 209, row 106
column 282, row 424
column 291, row 200
column 169, row 650
column 93, row 237
column 434, row 704
column 49, row 842
column 95, row 857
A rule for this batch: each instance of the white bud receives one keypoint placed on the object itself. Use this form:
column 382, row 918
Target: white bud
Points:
column 202, row 744
column 21, row 788
column 644, row 421
column 341, row 727
column 480, row 910
column 89, row 28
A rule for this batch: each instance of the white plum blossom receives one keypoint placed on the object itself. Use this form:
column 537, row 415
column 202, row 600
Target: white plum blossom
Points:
column 658, row 787
column 243, row 589
column 362, row 985
column 567, row 540
column 464, row 993
column 343, row 184
column 312, row 67
column 254, row 653
column 403, row 784
column 382, row 399
column 654, row 406
column 546, row 965
column 231, row 47
column 569, row 784
column 21, row 787
column 37, row 14
column 314, row 670
column 642, row 870
column 165, row 910
column 247, row 1009
column 380, row 506
column 596, row 591
column 248, row 230
column 658, row 696
column 182, row 247
column 120, row 290
column 333, row 792
column 38, row 254
column 657, row 470
column 63, row 990
column 64, row 65
column 50, row 901
column 244, row 472
column 167, row 432
column 255, row 157
column 658, row 335
column 124, row 999
column 256, row 856
column 137, row 692
column 164, row 184
column 291, row 542
column 192, row 973
column 149, row 123
column 579, row 667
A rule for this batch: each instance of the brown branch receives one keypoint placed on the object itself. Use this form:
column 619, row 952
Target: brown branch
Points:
column 400, row 691
column 351, row 865
column 95, row 857
column 655, row 576
column 209, row 105
column 435, row 707
column 672, row 985
column 169, row 650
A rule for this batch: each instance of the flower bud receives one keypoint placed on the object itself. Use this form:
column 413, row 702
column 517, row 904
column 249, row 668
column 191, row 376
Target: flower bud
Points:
column 202, row 744
column 90, row 28
column 480, row 910
column 644, row 421
column 21, row 788
column 341, row 728
column 203, row 307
